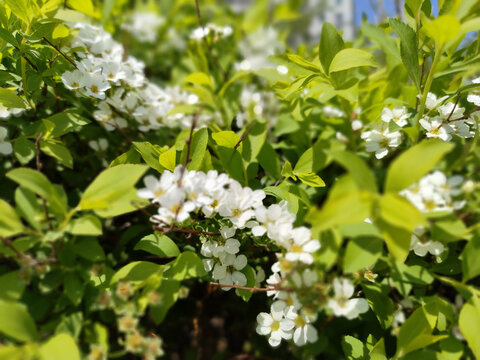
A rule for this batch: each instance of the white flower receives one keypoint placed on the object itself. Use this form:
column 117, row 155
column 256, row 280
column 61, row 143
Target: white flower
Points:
column 95, row 86
column 270, row 218
column 5, row 146
column 432, row 101
column 304, row 331
column 155, row 189
column 98, row 145
column 302, row 246
column 228, row 271
column 421, row 246
column 380, row 139
column 342, row 305
column 72, row 79
column 275, row 324
column 436, row 129
column 450, row 110
column 398, row 115
column 357, row 125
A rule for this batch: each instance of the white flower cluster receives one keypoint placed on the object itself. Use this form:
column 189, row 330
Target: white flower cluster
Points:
column 257, row 47
column 182, row 192
column 439, row 124
column 380, row 138
column 102, row 68
column 221, row 258
column 7, row 112
column 216, row 31
column 143, row 26
column 434, row 192
column 5, row 146
column 257, row 104
column 474, row 96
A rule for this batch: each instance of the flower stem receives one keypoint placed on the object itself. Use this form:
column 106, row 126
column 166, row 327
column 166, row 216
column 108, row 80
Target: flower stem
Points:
column 428, row 83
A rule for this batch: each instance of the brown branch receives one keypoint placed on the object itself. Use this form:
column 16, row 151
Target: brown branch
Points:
column 454, row 107
column 121, row 131
column 37, row 152
column 422, row 74
column 185, row 230
column 244, row 135
column 464, row 117
column 253, row 289
column 60, row 52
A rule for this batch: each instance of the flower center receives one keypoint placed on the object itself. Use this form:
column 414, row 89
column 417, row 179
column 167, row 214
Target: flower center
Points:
column 296, row 248
column 159, row 192
column 94, row 89
column 299, row 321
column 275, row 326
column 342, row 301
column 384, row 143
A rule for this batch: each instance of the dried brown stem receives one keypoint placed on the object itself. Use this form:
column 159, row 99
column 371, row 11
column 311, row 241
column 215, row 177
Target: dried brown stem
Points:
column 464, row 117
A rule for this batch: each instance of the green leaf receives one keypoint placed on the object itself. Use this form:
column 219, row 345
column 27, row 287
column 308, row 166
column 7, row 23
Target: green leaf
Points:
column 36, row 182
column 359, row 170
column 198, row 148
column 168, row 291
column 311, row 160
column 400, row 212
column 385, row 41
column 21, row 8
column 416, row 332
column 65, row 122
column 10, row 223
column 12, row 286
column 469, row 322
column 348, row 208
column 136, row 271
column 89, row 249
column 268, row 159
column 158, row 244
column 84, row 6
column 112, row 191
column 57, row 151
column 442, row 29
column 351, row 58
column 85, row 225
column 379, row 302
column 470, row 256
column 9, row 38
column 167, row 159
column 354, row 349
column 60, row 347
column 17, row 322
column 10, row 100
column 330, row 44
column 397, row 238
column 408, row 49
column 287, row 171
column 73, row 287
column 311, row 179
column 227, row 139
column 187, row 265
column 361, row 253
column 253, row 142
column 414, row 163
column 150, row 154
column 24, row 150
column 250, row 275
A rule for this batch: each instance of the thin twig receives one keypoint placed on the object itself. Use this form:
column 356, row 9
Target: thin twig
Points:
column 60, row 52
column 37, row 152
column 422, row 74
column 185, row 230
column 454, row 106
column 464, row 117
column 121, row 131
column 253, row 289
column 244, row 135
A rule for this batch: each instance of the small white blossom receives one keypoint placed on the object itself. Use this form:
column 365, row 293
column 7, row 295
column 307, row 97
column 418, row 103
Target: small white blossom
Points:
column 398, row 115
column 342, row 305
